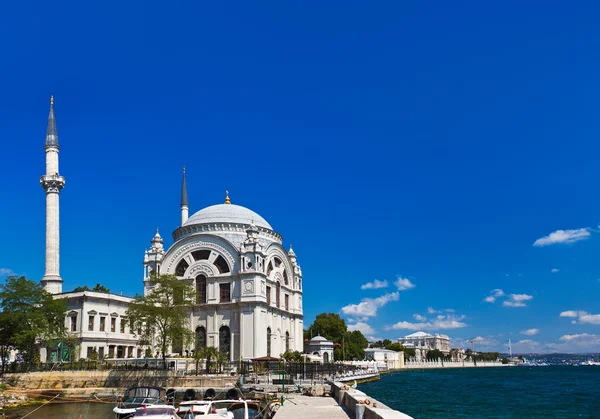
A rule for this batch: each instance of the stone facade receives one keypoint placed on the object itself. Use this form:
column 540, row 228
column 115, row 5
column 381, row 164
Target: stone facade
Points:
column 320, row 347
column 424, row 342
column 248, row 287
column 386, row 357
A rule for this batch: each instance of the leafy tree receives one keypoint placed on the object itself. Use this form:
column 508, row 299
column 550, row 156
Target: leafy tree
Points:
column 395, row 347
column 435, row 354
column 81, row 288
column 290, row 356
column 207, row 353
column 101, row 288
column 329, row 325
column 29, row 316
column 163, row 313
column 355, row 345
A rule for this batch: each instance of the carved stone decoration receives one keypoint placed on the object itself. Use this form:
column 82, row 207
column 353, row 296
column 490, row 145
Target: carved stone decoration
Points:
column 248, row 287
column 263, row 288
column 197, row 245
column 201, row 268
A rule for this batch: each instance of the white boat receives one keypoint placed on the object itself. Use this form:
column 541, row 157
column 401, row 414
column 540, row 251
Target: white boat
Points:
column 229, row 409
column 590, row 363
column 157, row 411
column 136, row 398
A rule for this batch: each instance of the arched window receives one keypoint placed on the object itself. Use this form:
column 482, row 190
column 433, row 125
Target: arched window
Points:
column 268, row 341
column 200, row 289
column 326, row 357
column 285, row 278
column 181, row 267
column 221, row 264
column 200, row 337
column 201, row 254
column 287, row 341
column 278, row 294
column 225, row 341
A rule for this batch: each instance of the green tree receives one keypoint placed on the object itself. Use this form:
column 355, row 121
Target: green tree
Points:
column 163, row 314
column 395, row 347
column 81, row 288
column 435, row 354
column 329, row 325
column 292, row 356
column 207, row 353
column 355, row 345
column 29, row 316
column 101, row 288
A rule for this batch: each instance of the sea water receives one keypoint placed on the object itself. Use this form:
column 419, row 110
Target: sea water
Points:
column 551, row 392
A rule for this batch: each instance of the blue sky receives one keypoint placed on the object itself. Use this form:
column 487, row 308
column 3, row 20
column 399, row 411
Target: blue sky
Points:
column 425, row 146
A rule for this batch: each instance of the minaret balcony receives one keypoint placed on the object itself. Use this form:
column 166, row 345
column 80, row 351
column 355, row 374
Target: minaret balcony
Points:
column 52, row 183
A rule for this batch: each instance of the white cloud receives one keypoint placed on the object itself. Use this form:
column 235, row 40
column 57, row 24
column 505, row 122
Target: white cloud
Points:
column 368, row 306
column 517, row 300
column 589, row 318
column 419, row 318
column 364, row 328
column 6, row 272
column 376, row 284
column 554, row 270
column 495, row 293
column 449, row 321
column 403, row 284
column 563, row 236
column 582, row 317
column 530, row 332
column 431, row 310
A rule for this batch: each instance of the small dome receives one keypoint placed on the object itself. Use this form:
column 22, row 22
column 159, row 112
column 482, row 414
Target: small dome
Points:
column 227, row 213
column 318, row 339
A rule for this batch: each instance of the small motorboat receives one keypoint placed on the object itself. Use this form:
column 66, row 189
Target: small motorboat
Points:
column 191, row 409
column 156, row 411
column 217, row 409
column 136, row 398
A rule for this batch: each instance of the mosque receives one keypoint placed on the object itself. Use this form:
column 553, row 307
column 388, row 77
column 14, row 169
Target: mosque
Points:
column 248, row 300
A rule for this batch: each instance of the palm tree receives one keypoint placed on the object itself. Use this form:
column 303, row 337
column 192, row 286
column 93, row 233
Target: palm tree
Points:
column 207, row 352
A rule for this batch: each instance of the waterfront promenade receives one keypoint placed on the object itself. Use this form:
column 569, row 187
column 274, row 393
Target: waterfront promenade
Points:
column 344, row 402
column 307, row 407
column 452, row 364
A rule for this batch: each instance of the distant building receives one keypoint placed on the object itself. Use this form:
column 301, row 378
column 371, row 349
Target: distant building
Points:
column 423, row 342
column 321, row 347
column 385, row 357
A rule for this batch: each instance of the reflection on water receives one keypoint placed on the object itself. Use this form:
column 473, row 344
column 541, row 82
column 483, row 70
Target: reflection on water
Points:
column 64, row 410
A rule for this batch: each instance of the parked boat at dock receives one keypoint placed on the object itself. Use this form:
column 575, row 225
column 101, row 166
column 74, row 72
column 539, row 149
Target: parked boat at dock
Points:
column 136, row 398
column 229, row 409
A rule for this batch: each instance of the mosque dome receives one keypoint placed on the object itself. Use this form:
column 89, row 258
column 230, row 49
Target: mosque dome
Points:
column 227, row 213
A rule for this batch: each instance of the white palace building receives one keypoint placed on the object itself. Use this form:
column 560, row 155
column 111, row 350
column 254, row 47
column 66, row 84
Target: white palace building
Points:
column 248, row 286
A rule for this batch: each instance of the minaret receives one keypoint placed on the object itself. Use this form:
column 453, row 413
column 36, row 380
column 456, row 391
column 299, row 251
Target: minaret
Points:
column 184, row 200
column 52, row 183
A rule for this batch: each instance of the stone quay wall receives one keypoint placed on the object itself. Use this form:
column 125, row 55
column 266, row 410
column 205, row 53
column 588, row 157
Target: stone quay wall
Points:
column 452, row 364
column 360, row 406
column 71, row 380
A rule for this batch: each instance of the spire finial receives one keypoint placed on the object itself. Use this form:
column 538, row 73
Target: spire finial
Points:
column 184, row 196
column 51, row 134
column 227, row 200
